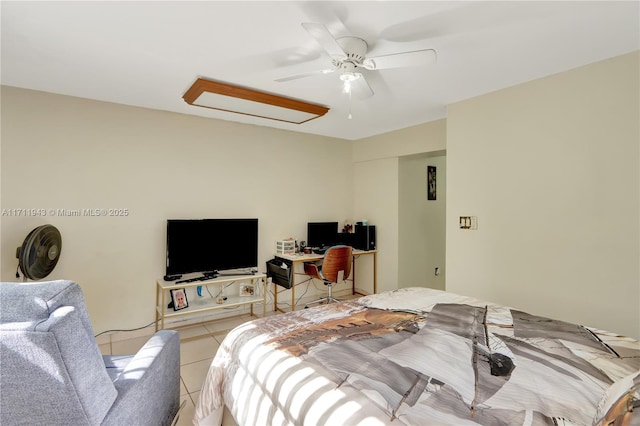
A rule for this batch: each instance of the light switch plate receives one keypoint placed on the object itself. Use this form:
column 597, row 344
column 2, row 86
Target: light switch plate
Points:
column 468, row 222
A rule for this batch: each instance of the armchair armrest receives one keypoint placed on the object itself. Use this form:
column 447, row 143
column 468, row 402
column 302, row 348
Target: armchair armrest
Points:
column 149, row 384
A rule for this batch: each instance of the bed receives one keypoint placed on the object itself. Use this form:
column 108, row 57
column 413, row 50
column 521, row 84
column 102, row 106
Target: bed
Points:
column 419, row 356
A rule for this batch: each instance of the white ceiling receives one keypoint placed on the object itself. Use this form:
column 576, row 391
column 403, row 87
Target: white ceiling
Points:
column 148, row 54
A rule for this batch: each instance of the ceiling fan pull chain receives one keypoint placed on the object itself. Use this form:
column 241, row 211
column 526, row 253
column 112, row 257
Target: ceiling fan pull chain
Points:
column 350, row 116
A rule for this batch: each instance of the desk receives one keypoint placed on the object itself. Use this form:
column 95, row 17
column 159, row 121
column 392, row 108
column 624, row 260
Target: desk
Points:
column 302, row 258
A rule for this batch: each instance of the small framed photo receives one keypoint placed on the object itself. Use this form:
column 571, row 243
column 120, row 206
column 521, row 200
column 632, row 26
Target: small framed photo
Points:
column 179, row 299
column 247, row 290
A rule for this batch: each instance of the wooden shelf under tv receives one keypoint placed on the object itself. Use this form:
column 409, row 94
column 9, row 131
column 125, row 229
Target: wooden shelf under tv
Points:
column 202, row 305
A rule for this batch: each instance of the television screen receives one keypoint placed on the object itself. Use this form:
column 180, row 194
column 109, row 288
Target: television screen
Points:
column 322, row 234
column 209, row 245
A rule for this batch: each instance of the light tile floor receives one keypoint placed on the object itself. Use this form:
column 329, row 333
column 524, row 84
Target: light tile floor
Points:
column 198, row 345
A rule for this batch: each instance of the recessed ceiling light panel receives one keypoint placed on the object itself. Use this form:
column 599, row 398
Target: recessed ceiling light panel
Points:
column 240, row 100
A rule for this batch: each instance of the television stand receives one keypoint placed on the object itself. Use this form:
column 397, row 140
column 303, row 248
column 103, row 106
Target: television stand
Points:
column 201, row 305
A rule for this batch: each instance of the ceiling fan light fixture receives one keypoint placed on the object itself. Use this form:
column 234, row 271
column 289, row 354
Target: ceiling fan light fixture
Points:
column 241, row 100
column 348, row 76
column 346, row 86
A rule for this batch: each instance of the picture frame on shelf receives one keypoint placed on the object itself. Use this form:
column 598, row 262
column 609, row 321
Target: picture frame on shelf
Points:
column 247, row 290
column 179, row 299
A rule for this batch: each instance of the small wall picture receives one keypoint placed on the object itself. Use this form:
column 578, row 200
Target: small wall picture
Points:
column 179, row 299
column 431, row 182
column 247, row 290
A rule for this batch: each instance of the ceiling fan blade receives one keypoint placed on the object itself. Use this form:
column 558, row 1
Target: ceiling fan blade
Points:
column 360, row 88
column 397, row 60
column 325, row 39
column 304, row 75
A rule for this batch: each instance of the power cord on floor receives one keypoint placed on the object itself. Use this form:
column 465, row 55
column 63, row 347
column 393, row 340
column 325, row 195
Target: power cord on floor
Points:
column 123, row 330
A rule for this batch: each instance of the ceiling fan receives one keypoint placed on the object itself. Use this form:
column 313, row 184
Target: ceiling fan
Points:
column 349, row 53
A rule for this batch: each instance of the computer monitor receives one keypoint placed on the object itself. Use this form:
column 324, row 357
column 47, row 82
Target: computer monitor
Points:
column 322, row 234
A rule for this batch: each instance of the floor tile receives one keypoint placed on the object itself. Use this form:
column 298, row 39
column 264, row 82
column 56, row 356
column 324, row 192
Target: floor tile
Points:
column 183, row 388
column 193, row 374
column 219, row 336
column 193, row 331
column 198, row 349
column 227, row 324
column 186, row 415
column 194, row 397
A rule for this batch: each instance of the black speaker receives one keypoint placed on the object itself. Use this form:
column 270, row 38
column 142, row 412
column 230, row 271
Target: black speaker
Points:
column 365, row 237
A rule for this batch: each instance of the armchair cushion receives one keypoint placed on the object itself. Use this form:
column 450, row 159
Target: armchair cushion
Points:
column 148, row 383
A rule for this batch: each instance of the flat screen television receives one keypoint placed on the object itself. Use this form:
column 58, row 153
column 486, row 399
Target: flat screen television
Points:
column 211, row 245
column 322, row 234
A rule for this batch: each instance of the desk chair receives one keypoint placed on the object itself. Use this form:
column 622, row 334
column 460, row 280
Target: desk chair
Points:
column 336, row 259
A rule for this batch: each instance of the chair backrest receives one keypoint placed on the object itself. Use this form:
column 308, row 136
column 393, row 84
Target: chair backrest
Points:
column 336, row 259
column 52, row 368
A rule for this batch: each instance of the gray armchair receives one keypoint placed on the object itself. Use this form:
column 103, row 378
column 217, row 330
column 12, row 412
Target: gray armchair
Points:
column 52, row 371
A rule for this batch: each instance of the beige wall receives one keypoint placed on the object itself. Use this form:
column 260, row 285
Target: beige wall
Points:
column 428, row 137
column 377, row 191
column 68, row 153
column 376, row 200
column 421, row 233
column 550, row 168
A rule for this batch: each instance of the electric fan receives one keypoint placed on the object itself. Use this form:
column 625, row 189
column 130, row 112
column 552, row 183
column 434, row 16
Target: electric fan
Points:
column 40, row 251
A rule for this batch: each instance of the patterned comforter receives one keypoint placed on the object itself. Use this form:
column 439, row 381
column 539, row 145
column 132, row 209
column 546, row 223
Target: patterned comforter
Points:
column 419, row 356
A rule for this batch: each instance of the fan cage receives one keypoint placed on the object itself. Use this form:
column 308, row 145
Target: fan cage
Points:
column 40, row 252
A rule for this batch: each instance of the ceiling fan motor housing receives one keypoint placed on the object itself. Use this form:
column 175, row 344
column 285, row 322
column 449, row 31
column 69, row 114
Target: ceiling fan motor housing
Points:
column 355, row 48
